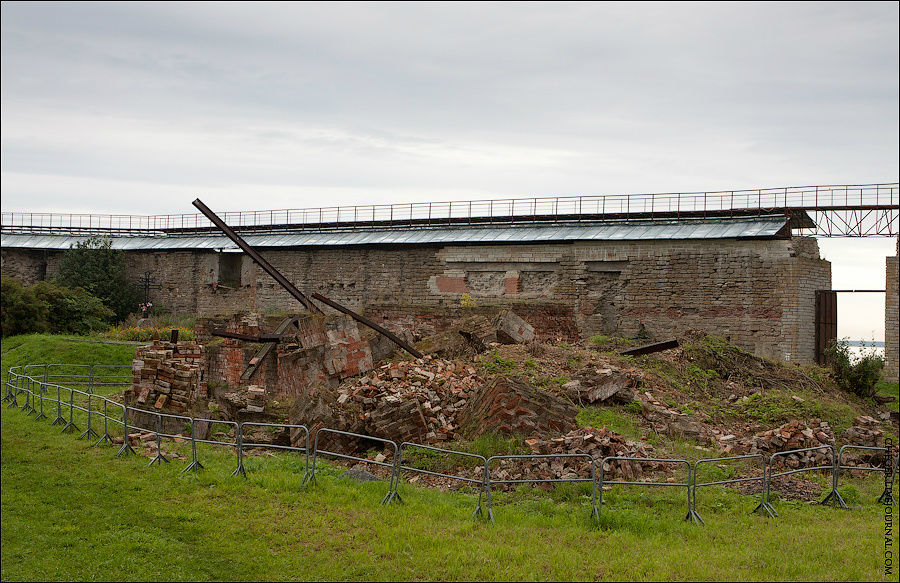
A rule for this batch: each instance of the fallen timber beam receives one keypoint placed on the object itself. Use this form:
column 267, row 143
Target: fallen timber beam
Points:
column 650, row 348
column 277, row 276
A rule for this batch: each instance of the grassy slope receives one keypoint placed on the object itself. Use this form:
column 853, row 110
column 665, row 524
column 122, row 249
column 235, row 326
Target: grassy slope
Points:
column 70, row 511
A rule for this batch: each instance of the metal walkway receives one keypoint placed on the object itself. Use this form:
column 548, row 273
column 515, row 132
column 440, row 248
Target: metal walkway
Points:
column 867, row 210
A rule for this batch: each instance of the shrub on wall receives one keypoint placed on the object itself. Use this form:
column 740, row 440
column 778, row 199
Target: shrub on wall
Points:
column 96, row 267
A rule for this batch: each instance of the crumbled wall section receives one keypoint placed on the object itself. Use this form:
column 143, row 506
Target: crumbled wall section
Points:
column 319, row 351
column 326, row 351
column 891, row 326
column 759, row 294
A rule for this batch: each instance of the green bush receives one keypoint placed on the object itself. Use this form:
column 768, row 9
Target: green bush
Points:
column 73, row 311
column 20, row 311
column 96, row 267
column 860, row 377
column 48, row 307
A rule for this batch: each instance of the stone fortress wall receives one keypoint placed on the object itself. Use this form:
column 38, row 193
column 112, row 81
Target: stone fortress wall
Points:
column 757, row 293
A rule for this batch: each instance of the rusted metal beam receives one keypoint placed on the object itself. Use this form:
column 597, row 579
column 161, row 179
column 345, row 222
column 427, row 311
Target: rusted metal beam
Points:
column 264, row 351
column 363, row 320
column 246, row 337
column 293, row 290
column 651, row 348
column 259, row 259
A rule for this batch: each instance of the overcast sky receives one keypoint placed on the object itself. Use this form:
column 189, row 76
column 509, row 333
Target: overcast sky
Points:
column 139, row 108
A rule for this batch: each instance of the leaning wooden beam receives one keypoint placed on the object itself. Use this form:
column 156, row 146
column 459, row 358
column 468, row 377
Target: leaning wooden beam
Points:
column 651, row 348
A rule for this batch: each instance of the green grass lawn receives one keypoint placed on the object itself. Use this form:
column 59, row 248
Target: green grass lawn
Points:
column 72, row 511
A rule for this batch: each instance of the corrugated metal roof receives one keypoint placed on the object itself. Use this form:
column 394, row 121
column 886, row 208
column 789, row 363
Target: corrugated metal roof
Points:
column 752, row 227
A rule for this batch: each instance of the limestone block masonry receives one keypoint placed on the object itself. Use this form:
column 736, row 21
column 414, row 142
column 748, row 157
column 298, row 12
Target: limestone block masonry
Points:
column 758, row 293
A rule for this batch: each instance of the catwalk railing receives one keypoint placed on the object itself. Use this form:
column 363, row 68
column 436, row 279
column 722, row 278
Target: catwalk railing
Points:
column 837, row 210
column 29, row 389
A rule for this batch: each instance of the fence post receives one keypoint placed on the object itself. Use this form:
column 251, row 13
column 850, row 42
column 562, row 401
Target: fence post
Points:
column 106, row 437
column 7, row 393
column 239, row 445
column 160, row 458
column 70, row 426
column 29, row 399
column 14, row 394
column 764, row 503
column 126, row 443
column 195, row 463
column 89, row 432
column 59, row 418
column 41, row 394
column 835, row 496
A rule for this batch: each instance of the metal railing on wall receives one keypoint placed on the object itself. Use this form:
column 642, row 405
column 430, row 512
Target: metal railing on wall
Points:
column 26, row 388
column 519, row 210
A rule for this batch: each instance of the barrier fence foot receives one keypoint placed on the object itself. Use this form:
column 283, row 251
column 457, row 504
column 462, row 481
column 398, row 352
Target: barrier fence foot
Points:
column 887, row 497
column 105, row 438
column 58, row 421
column 125, row 449
column 192, row 467
column 70, row 428
column 390, row 497
column 477, row 513
column 40, row 416
column 308, row 479
column 694, row 517
column 834, row 497
column 159, row 459
column 89, row 433
column 768, row 508
column 239, row 471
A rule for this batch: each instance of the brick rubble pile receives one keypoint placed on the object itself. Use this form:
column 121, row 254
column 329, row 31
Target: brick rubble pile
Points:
column 168, row 375
column 864, row 432
column 597, row 443
column 796, row 435
column 424, row 396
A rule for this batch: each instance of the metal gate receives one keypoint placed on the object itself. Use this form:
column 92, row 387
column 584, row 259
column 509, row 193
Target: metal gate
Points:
column 826, row 321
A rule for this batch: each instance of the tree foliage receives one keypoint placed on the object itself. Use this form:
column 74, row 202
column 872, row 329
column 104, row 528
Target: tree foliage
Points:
column 96, row 267
column 860, row 377
column 20, row 311
column 48, row 307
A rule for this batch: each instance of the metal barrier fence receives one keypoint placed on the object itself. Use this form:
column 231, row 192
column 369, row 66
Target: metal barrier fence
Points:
column 698, row 463
column 687, row 485
column 481, row 483
column 34, row 390
column 595, row 514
